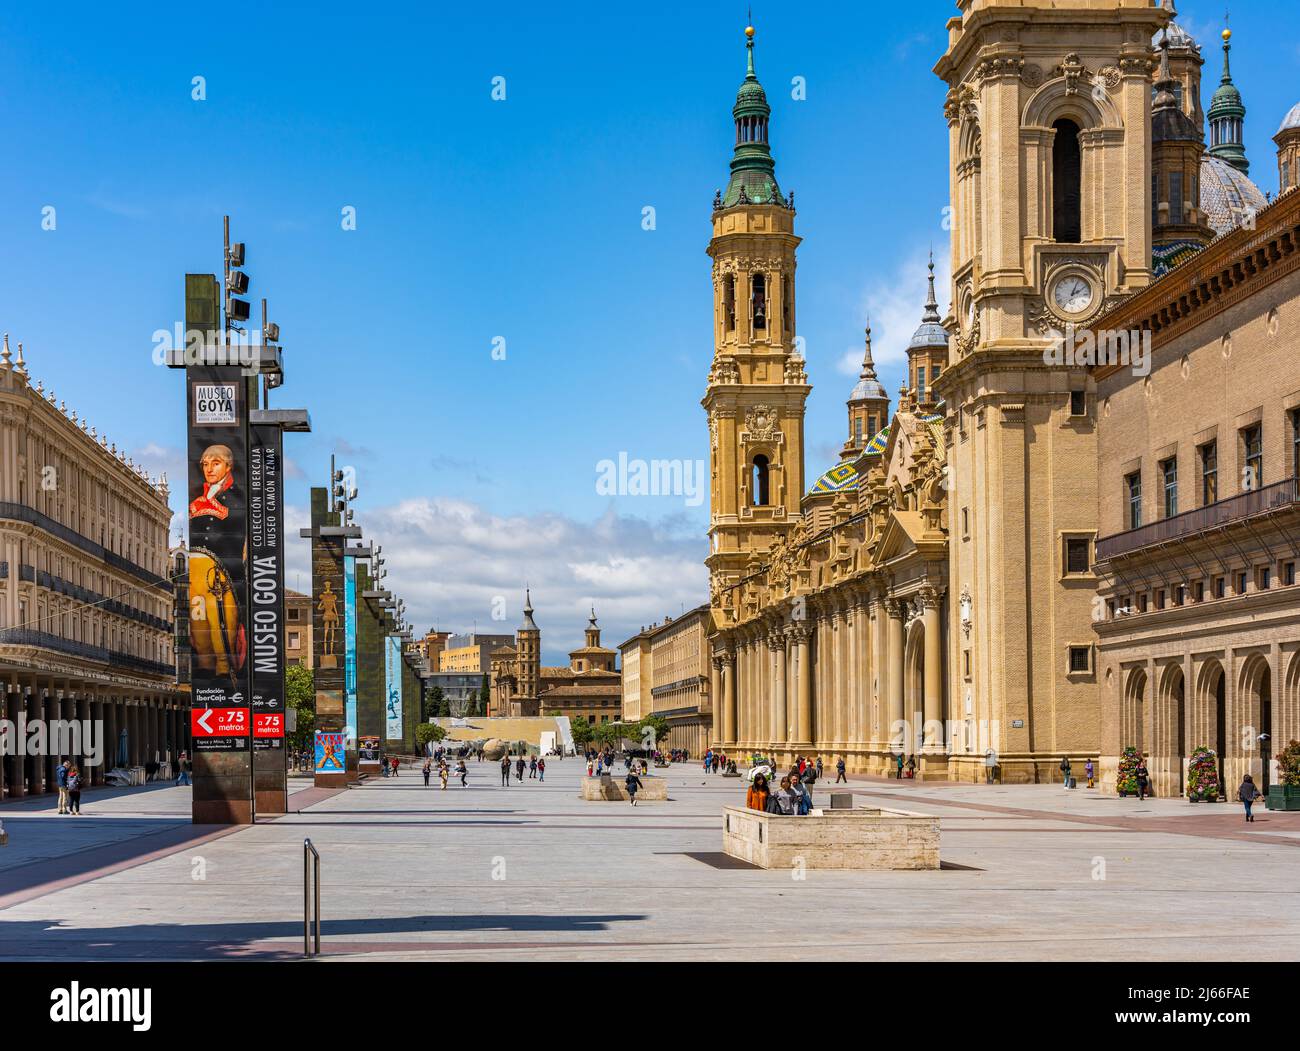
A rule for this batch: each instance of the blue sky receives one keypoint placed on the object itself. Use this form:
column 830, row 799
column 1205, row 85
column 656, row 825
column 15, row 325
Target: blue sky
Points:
column 478, row 219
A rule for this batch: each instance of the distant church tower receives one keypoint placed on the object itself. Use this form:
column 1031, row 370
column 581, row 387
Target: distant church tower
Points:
column 1228, row 116
column 868, row 407
column 757, row 386
column 528, row 642
column 1049, row 117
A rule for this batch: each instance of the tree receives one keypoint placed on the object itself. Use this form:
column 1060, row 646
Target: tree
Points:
column 426, row 732
column 652, row 731
column 582, row 732
column 484, row 695
column 300, row 696
column 434, row 702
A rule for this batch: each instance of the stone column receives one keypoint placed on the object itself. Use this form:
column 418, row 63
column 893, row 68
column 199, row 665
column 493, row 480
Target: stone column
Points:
column 715, row 695
column 100, row 729
column 780, row 720
column 935, row 739
column 803, row 688
column 895, row 673
column 728, row 705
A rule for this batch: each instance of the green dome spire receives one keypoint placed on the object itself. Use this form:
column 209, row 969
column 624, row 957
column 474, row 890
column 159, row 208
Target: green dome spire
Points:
column 753, row 173
column 1227, row 116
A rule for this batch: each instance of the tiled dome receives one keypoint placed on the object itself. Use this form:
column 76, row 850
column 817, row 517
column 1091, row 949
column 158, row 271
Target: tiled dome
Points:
column 840, row 478
column 1292, row 119
column 1227, row 195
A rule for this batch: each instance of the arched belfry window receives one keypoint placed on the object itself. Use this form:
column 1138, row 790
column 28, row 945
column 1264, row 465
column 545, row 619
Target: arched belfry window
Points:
column 729, row 302
column 759, row 487
column 758, row 302
column 1067, row 191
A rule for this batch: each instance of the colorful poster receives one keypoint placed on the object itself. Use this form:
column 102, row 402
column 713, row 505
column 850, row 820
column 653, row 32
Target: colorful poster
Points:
column 330, row 755
column 350, row 649
column 218, row 516
column 369, row 752
column 393, row 687
column 266, row 591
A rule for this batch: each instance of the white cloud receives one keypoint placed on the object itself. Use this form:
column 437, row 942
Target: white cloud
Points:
column 451, row 560
column 895, row 308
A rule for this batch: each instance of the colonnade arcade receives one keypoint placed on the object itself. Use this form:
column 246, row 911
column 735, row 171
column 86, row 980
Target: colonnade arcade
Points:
column 1223, row 699
column 857, row 670
column 156, row 721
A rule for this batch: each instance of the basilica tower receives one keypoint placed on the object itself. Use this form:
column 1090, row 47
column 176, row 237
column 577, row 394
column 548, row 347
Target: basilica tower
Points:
column 1049, row 118
column 757, row 386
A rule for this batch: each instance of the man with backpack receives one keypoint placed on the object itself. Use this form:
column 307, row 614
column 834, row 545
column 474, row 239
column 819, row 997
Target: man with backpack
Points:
column 61, row 779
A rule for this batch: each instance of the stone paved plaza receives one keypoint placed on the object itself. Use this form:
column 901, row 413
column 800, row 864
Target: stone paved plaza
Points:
column 408, row 873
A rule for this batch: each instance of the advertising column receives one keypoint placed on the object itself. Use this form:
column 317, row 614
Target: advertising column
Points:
column 350, row 653
column 217, row 418
column 393, row 716
column 328, row 641
column 266, row 599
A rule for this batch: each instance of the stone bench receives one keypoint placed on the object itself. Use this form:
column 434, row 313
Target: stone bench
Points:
column 832, row 839
column 611, row 788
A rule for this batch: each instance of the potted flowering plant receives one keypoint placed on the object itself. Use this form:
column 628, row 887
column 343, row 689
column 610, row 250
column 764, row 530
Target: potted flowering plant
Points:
column 1203, row 776
column 1286, row 794
column 1126, row 780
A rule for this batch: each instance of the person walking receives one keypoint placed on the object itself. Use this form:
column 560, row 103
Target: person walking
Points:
column 1090, row 772
column 541, row 769
column 783, row 800
column 1143, row 780
column 633, row 785
column 819, row 768
column 1248, row 793
column 505, row 771
column 911, row 766
column 442, row 774
column 396, row 763
column 74, row 791
column 519, row 769
column 898, row 765
column 1065, row 770
column 427, row 769
column 532, row 767
column 61, row 780
column 757, row 796
column 184, row 767
column 839, row 771
column 463, row 770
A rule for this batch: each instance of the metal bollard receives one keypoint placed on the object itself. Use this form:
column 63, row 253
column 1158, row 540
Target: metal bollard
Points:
column 310, row 867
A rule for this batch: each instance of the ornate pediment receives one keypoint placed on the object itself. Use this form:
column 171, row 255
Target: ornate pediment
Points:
column 761, row 423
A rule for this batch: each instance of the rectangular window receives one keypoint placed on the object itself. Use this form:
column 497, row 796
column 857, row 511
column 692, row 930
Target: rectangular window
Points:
column 1180, row 594
column 1198, row 591
column 1209, row 458
column 965, row 663
column 1080, row 658
column 1169, row 481
column 1160, row 598
column 1295, row 443
column 1076, row 556
column 1288, row 573
column 1220, row 587
column 965, row 523
column 1143, row 602
column 920, row 382
column 1175, row 197
column 1110, row 609
column 1241, row 582
column 1252, row 450
column 1133, row 484
column 1264, row 578
column 1078, row 403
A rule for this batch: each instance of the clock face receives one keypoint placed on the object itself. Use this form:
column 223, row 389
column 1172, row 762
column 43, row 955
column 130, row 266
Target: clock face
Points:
column 1072, row 294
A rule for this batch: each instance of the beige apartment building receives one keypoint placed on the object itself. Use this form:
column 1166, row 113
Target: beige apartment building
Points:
column 86, row 607
column 298, row 628
column 667, row 672
column 1199, row 625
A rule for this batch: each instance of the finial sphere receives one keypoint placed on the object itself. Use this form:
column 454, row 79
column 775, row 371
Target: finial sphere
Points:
column 749, row 32
column 1227, row 34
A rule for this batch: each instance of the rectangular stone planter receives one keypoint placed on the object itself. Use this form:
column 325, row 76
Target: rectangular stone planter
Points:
column 612, row 789
column 832, row 839
column 1283, row 797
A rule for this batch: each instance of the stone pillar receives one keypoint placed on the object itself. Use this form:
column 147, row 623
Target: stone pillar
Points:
column 715, row 695
column 780, row 720
column 895, row 674
column 803, row 689
column 95, row 705
column 728, row 706
column 933, row 660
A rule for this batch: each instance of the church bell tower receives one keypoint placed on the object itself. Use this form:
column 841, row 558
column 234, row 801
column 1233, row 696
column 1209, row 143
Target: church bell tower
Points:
column 757, row 385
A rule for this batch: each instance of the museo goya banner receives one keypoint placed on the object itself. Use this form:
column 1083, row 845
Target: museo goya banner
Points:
column 266, row 567
column 218, row 508
column 350, row 649
column 393, row 687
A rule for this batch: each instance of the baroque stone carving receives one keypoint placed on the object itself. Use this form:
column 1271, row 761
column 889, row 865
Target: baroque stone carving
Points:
column 761, row 423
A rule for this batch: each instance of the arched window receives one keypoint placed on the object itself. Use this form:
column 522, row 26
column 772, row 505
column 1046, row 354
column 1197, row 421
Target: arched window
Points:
column 759, row 479
column 1067, row 170
column 729, row 302
column 758, row 302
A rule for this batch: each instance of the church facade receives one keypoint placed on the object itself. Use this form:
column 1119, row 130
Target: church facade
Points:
column 939, row 592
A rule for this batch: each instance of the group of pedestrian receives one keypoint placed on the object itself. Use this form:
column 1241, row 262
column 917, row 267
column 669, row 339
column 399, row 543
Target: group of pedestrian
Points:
column 535, row 765
column 68, row 780
column 791, row 797
column 714, row 761
column 904, row 768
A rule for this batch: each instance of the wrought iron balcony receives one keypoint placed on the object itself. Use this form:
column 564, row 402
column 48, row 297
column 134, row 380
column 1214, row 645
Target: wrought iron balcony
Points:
column 1267, row 500
column 44, row 640
column 30, row 516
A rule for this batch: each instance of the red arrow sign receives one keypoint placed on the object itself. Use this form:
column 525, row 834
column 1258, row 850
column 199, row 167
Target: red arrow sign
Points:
column 219, row 722
column 271, row 725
